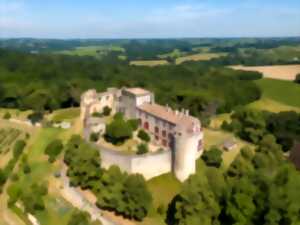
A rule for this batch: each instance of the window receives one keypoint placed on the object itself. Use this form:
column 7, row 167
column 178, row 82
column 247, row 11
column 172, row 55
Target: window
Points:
column 164, row 142
column 199, row 145
column 164, row 133
column 156, row 138
column 156, row 130
column 107, row 97
column 146, row 126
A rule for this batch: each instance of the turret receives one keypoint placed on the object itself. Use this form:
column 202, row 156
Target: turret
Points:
column 187, row 139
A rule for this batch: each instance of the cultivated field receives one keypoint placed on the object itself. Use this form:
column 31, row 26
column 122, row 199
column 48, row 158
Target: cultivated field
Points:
column 199, row 57
column 282, row 72
column 95, row 51
column 149, row 62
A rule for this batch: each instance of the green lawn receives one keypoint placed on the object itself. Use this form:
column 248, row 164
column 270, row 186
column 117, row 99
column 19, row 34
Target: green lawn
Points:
column 65, row 114
column 285, row 92
column 95, row 51
column 163, row 189
column 58, row 211
column 271, row 106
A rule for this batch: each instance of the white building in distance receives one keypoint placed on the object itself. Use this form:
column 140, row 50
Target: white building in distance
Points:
column 175, row 130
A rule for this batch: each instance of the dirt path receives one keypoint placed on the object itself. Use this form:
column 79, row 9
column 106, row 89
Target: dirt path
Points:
column 78, row 200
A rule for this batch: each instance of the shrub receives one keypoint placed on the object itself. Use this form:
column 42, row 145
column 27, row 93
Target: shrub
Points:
column 18, row 148
column 134, row 124
column 161, row 209
column 250, row 75
column 118, row 131
column 297, row 79
column 97, row 114
column 7, row 116
column 53, row 149
column 94, row 137
column 144, row 136
column 106, row 111
column 35, row 117
column 213, row 157
column 142, row 149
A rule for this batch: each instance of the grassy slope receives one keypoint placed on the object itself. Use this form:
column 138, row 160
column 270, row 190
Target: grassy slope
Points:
column 95, row 51
column 272, row 106
column 65, row 114
column 163, row 189
column 285, row 92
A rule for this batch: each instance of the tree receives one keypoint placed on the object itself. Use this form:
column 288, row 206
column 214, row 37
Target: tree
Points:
column 94, row 137
column 197, row 203
column 239, row 202
column 118, row 131
column 297, row 79
column 7, row 116
column 136, row 197
column 142, row 149
column 106, row 111
column 83, row 163
column 53, row 149
column 134, row 123
column 33, row 198
column 213, row 157
column 18, row 148
column 81, row 218
column 144, row 136
column 35, row 117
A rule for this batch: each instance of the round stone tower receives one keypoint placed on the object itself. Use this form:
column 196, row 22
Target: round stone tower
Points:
column 187, row 147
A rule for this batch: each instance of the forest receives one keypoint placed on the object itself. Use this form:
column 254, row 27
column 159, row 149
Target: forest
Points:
column 48, row 82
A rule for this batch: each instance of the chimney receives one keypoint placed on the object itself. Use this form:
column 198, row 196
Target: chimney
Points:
column 176, row 112
column 187, row 112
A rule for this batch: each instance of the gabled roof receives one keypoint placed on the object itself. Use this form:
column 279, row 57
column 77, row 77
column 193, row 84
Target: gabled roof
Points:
column 165, row 113
column 137, row 91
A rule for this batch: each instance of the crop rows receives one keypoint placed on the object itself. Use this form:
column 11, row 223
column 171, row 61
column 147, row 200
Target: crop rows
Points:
column 8, row 137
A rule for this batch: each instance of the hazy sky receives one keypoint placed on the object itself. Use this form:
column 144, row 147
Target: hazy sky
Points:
column 146, row 19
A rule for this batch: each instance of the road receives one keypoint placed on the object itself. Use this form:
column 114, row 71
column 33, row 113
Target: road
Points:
column 77, row 199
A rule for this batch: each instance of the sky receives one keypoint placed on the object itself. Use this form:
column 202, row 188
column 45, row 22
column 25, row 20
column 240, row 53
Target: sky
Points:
column 149, row 18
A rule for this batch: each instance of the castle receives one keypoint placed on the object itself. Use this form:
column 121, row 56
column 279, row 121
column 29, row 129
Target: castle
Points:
column 174, row 130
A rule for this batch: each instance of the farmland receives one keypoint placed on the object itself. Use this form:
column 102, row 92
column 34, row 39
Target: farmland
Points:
column 285, row 92
column 149, row 62
column 281, row 72
column 199, row 57
column 95, row 51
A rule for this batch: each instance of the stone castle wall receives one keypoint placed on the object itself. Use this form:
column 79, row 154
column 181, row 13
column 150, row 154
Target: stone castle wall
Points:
column 149, row 165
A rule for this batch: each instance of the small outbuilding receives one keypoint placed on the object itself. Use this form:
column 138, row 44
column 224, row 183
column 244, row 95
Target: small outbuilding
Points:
column 229, row 145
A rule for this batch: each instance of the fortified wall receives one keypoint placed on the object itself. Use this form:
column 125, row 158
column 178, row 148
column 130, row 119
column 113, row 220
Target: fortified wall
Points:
column 149, row 165
column 179, row 133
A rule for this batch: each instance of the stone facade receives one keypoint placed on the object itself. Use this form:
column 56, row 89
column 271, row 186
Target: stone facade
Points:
column 174, row 130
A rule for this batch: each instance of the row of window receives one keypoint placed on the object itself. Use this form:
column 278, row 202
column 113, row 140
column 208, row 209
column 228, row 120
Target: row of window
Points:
column 157, row 121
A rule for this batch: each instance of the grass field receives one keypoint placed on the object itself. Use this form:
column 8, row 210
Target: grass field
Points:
column 199, row 57
column 15, row 113
column 281, row 72
column 68, row 114
column 163, row 189
column 217, row 138
column 271, row 106
column 284, row 92
column 95, row 51
column 149, row 62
